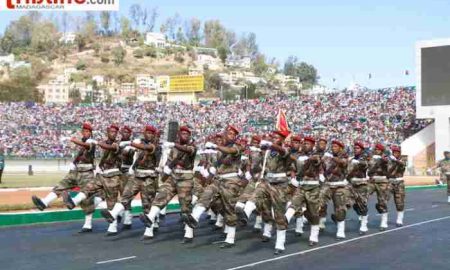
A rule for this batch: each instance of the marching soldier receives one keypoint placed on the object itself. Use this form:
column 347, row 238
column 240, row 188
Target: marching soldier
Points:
column 178, row 175
column 108, row 180
column 378, row 176
column 320, row 150
column 144, row 180
column 357, row 175
column 444, row 166
column 127, row 159
column 396, row 169
column 80, row 173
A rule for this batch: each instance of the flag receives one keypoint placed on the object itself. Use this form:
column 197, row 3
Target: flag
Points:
column 282, row 124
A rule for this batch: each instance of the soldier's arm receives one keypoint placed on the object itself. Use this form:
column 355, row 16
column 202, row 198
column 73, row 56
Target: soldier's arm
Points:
column 112, row 147
column 228, row 150
column 185, row 148
column 280, row 149
column 341, row 162
column 146, row 147
column 86, row 144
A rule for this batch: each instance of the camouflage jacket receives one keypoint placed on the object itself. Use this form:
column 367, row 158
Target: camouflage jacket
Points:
column 126, row 157
column 444, row 166
column 278, row 163
column 308, row 167
column 85, row 156
column 110, row 158
column 396, row 168
column 147, row 160
column 335, row 168
column 377, row 166
column 229, row 163
column 357, row 167
column 182, row 161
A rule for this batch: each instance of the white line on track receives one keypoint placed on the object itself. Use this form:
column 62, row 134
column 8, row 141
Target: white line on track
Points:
column 338, row 243
column 434, row 206
column 409, row 209
column 116, row 260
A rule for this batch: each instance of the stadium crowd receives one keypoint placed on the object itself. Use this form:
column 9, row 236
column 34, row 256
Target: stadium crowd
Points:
column 31, row 130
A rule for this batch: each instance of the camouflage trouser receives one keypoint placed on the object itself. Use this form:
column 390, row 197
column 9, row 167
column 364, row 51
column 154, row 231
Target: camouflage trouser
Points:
column 110, row 185
column 446, row 177
column 147, row 186
column 209, row 195
column 229, row 191
column 311, row 197
column 77, row 179
column 398, row 191
column 273, row 198
column 170, row 188
column 248, row 192
column 341, row 201
column 382, row 190
column 363, row 190
column 198, row 187
column 325, row 198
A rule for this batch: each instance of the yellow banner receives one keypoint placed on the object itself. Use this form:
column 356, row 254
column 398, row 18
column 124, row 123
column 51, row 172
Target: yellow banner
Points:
column 186, row 83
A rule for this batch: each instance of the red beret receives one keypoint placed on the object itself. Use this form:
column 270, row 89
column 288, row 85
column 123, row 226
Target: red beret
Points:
column 323, row 139
column 113, row 126
column 87, row 126
column 360, row 144
column 297, row 138
column 185, row 128
column 396, row 148
column 151, row 129
column 379, row 146
column 282, row 133
column 309, row 139
column 338, row 142
column 127, row 128
column 242, row 142
column 256, row 138
column 234, row 129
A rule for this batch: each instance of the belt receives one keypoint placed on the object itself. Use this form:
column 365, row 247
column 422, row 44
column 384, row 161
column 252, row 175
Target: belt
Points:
column 338, row 183
column 125, row 166
column 398, row 179
column 275, row 175
column 228, row 175
column 379, row 178
column 182, row 171
column 447, row 173
column 359, row 180
column 85, row 166
column 110, row 172
column 145, row 171
column 314, row 182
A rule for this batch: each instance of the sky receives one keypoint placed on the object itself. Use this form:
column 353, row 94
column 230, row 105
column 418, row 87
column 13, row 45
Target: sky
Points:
column 345, row 40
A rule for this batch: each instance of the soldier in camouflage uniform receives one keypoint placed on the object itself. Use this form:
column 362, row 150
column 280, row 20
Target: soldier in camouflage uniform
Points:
column 320, row 150
column 444, row 166
column 179, row 180
column 108, row 180
column 309, row 167
column 396, row 169
column 378, row 177
column 230, row 185
column 357, row 176
column 335, row 172
column 144, row 180
column 127, row 159
column 81, row 172
column 252, row 169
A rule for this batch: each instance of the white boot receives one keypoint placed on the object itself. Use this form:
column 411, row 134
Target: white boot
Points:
column 117, row 210
column 363, row 229
column 384, row 221
column 400, row 215
column 194, row 199
column 448, row 199
column 249, row 208
column 97, row 201
column 258, row 223
column 188, row 232
column 231, row 234
column 148, row 233
column 314, row 236
column 77, row 199
column 197, row 212
column 112, row 229
column 340, row 230
column 299, row 226
column 281, row 239
column 219, row 221
column 163, row 211
column 322, row 223
column 87, row 222
column 127, row 217
column 289, row 214
column 212, row 215
column 154, row 212
column 267, row 230
column 240, row 205
column 51, row 197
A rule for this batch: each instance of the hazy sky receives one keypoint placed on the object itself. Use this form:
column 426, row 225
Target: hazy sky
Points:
column 344, row 39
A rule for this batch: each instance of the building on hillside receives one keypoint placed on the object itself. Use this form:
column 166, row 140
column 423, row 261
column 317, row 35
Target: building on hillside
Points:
column 238, row 61
column 209, row 51
column 9, row 60
column 55, row 91
column 157, row 40
column 208, row 61
column 68, row 38
column 195, row 70
column 99, row 79
column 127, row 90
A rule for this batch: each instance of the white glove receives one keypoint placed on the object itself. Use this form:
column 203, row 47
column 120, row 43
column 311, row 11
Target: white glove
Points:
column 136, row 141
column 265, row 143
column 168, row 144
column 210, row 151
column 254, row 149
column 131, row 171
column 240, row 172
column 328, row 155
column 376, row 157
column 321, row 178
column 355, row 161
column 128, row 148
column 248, row 175
column 294, row 182
column 210, row 145
column 167, row 170
column 392, row 157
column 72, row 167
column 124, row 144
column 97, row 170
column 244, row 157
column 204, row 172
column 302, row 158
column 198, row 168
column 91, row 141
column 212, row 170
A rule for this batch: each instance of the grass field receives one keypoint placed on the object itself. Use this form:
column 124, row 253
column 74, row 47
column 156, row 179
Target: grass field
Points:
column 24, row 180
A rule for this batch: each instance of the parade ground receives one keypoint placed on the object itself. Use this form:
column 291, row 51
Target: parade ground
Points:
column 422, row 243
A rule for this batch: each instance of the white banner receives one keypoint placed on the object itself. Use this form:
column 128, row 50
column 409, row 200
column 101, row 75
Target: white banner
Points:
column 55, row 5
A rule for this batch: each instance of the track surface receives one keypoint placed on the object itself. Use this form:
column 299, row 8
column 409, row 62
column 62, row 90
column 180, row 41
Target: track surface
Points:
column 423, row 243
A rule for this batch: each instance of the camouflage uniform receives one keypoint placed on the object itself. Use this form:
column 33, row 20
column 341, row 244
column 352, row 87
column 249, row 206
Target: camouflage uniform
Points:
column 80, row 176
column 357, row 176
column 335, row 170
column 396, row 169
column 126, row 157
column 180, row 182
column 444, row 166
column 254, row 166
column 109, row 179
column 378, row 177
column 144, row 179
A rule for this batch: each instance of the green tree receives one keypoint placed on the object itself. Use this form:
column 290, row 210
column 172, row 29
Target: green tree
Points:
column 20, row 87
column 118, row 54
column 75, row 95
column 80, row 41
column 223, row 53
column 125, row 27
column 193, row 32
column 80, row 65
column 246, row 45
column 306, row 72
column 44, row 37
column 138, row 53
column 259, row 64
column 180, row 36
column 105, row 19
column 104, row 58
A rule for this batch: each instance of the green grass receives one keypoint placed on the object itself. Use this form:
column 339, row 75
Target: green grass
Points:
column 37, row 180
